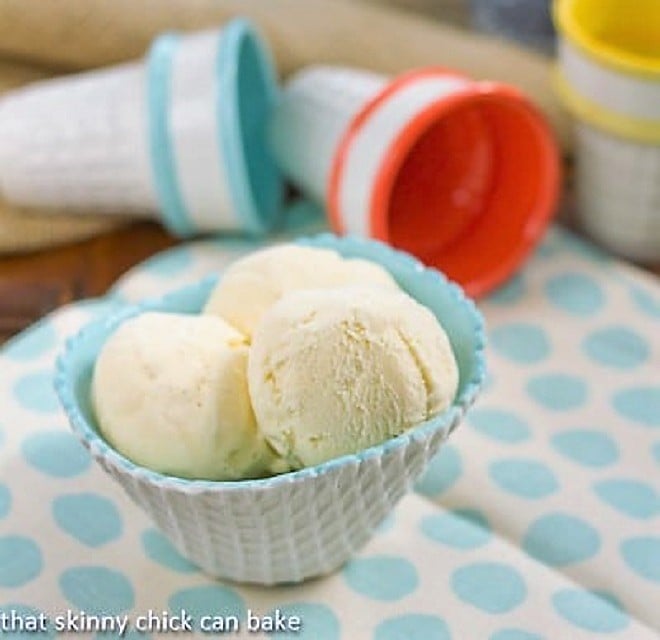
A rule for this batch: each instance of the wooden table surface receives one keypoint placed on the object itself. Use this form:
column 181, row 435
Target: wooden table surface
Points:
column 32, row 285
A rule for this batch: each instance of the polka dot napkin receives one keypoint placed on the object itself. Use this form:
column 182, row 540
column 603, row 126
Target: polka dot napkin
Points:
column 539, row 519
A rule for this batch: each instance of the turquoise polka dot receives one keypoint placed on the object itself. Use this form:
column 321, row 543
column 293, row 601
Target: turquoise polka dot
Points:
column 545, row 250
column 32, row 343
column 575, row 293
column 34, row 392
column 385, row 578
column 56, row 453
column 524, row 478
column 500, row 425
column 318, row 622
column 630, row 497
column 587, row 250
column 461, row 529
column 639, row 404
column 413, row 626
column 655, row 452
column 91, row 519
column 587, row 447
column 490, row 586
column 645, row 302
column 168, row 264
column 208, row 600
column 515, row 634
column 5, row 500
column 642, row 555
column 25, row 612
column 159, row 549
column 97, row 590
column 387, row 524
column 594, row 611
column 20, row 560
column 558, row 539
column 557, row 391
column 521, row 342
column 443, row 471
column 617, row 347
column 512, row 292
column 131, row 634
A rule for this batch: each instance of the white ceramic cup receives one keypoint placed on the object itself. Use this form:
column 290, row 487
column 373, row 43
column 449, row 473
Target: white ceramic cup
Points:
column 618, row 192
column 178, row 137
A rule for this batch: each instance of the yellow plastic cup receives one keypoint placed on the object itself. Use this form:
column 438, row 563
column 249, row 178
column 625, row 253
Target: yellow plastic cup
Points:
column 609, row 78
column 609, row 64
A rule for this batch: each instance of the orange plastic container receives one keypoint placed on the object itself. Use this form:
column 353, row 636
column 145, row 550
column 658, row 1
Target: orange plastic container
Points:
column 462, row 174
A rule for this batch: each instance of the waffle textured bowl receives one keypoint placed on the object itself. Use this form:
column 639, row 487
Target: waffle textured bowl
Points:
column 296, row 525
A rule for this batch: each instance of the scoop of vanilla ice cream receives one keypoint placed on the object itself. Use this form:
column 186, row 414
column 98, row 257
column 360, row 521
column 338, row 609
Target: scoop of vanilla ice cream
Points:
column 357, row 271
column 170, row 393
column 332, row 372
column 251, row 285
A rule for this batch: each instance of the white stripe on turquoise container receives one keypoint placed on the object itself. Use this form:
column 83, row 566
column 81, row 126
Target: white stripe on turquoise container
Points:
column 209, row 97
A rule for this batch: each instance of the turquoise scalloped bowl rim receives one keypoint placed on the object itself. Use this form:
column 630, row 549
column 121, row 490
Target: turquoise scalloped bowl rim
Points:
column 458, row 314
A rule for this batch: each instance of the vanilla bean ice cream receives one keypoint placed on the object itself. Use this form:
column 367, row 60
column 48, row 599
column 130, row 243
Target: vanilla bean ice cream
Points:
column 253, row 284
column 170, row 393
column 299, row 356
column 334, row 371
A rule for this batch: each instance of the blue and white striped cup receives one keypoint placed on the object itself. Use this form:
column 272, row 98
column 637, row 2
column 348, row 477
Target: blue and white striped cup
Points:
column 178, row 136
